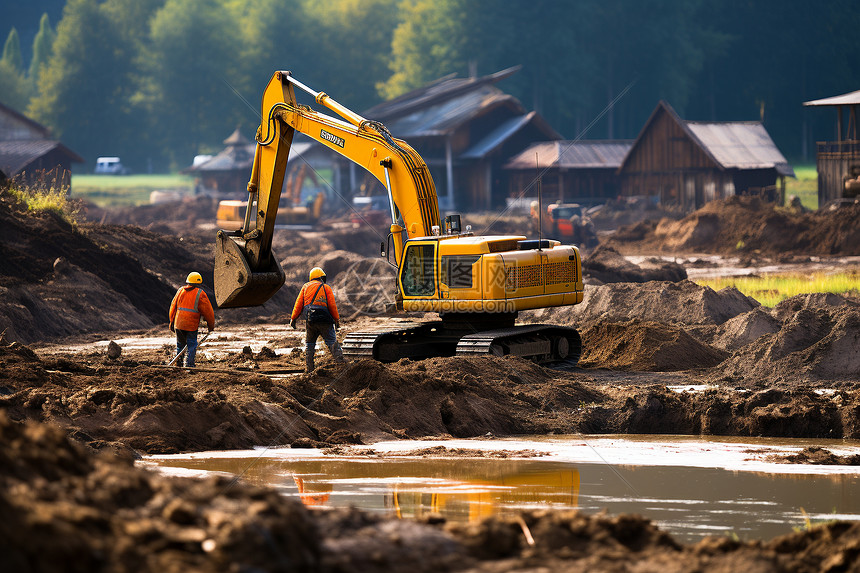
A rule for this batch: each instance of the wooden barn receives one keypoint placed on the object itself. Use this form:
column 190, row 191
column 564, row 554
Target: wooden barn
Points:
column 580, row 171
column 30, row 155
column 466, row 129
column 685, row 164
column 226, row 174
column 839, row 161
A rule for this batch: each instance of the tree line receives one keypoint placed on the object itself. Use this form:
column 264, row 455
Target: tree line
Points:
column 159, row 81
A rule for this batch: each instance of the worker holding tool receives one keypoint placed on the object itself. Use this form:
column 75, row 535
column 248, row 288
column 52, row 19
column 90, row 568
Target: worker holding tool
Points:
column 322, row 319
column 189, row 304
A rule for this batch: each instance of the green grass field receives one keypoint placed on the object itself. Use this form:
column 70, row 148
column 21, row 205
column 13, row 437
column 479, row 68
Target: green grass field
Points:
column 770, row 290
column 805, row 186
column 124, row 190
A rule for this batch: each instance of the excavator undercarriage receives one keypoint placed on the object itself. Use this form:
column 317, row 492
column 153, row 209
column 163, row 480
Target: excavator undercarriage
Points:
column 542, row 343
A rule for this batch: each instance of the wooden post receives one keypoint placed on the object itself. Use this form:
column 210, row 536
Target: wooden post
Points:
column 839, row 125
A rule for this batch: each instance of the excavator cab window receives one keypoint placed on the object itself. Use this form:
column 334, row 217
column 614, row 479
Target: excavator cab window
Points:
column 457, row 270
column 418, row 272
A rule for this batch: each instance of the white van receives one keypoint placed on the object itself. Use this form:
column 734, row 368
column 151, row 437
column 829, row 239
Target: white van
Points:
column 110, row 165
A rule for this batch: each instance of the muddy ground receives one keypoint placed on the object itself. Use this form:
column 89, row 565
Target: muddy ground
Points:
column 788, row 371
column 64, row 508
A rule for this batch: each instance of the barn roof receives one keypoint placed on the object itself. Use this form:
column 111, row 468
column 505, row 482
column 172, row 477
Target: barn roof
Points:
column 440, row 107
column 498, row 136
column 731, row 145
column 18, row 154
column 852, row 98
column 740, row 145
column 577, row 154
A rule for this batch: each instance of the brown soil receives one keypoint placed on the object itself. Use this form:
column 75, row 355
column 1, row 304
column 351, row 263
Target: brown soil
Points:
column 746, row 225
column 648, row 347
column 818, row 456
column 606, row 265
column 63, row 508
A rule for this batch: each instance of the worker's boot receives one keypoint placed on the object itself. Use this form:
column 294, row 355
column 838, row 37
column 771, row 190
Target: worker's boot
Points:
column 337, row 353
column 309, row 362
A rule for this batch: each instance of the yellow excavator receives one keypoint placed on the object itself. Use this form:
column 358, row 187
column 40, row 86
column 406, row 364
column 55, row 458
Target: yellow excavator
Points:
column 477, row 284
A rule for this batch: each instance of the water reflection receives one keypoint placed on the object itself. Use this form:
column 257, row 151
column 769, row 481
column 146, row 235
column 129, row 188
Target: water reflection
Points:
column 689, row 502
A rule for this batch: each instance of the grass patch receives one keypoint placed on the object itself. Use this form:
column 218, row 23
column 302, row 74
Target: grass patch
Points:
column 126, row 190
column 770, row 290
column 46, row 199
column 805, row 186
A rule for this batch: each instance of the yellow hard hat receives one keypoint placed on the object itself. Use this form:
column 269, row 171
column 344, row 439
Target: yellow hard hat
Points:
column 316, row 273
column 194, row 278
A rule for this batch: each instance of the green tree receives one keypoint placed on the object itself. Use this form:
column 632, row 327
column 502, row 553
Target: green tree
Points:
column 577, row 57
column 43, row 45
column 12, row 51
column 192, row 66
column 14, row 88
column 428, row 43
column 86, row 91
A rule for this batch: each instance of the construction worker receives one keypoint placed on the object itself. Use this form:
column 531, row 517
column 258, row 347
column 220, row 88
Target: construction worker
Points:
column 189, row 304
column 322, row 319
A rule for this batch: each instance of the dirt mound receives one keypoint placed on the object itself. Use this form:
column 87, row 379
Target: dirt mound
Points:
column 645, row 346
column 58, row 280
column 681, row 303
column 817, row 456
column 64, row 509
column 813, row 343
column 189, row 211
column 606, row 265
column 744, row 329
column 747, row 225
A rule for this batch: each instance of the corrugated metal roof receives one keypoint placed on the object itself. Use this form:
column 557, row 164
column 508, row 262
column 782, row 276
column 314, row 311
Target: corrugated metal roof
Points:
column 434, row 92
column 497, row 136
column 582, row 154
column 445, row 116
column 16, row 155
column 852, row 98
column 740, row 145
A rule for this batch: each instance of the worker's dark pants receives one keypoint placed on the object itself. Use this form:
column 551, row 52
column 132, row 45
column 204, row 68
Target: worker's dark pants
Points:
column 314, row 330
column 187, row 337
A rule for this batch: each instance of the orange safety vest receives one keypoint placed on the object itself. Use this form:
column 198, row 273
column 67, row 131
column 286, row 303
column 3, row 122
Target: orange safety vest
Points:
column 314, row 295
column 187, row 307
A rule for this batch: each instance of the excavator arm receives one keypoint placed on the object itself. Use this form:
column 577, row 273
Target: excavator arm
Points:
column 246, row 271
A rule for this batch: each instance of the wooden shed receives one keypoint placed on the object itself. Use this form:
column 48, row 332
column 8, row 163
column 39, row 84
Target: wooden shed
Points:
column 685, row 164
column 28, row 153
column 582, row 171
column 465, row 129
column 838, row 161
column 226, row 174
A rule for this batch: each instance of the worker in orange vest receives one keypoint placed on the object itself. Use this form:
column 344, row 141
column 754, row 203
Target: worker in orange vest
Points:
column 322, row 319
column 189, row 304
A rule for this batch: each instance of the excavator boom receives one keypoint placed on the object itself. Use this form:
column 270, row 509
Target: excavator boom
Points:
column 246, row 273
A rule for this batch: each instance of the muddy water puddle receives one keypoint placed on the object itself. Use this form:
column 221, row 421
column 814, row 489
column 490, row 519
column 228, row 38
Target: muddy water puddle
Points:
column 690, row 487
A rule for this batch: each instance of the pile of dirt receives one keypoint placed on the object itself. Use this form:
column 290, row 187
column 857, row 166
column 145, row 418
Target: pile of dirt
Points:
column 58, row 280
column 645, row 347
column 131, row 403
column 746, row 225
column 812, row 343
column 627, row 211
column 189, row 211
column 66, row 509
column 674, row 303
column 817, row 456
column 606, row 265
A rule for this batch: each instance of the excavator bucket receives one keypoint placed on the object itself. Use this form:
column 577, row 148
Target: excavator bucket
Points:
column 236, row 285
